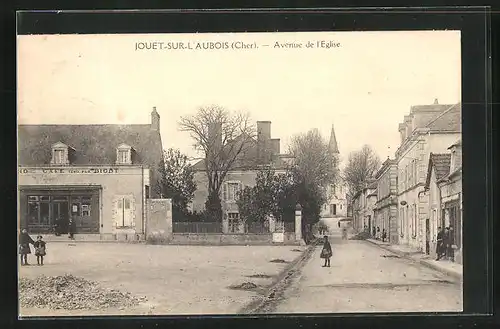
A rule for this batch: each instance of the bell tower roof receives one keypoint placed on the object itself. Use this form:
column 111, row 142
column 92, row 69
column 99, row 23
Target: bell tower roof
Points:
column 333, row 142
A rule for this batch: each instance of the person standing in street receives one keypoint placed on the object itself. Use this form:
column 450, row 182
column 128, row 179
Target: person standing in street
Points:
column 384, row 235
column 24, row 246
column 439, row 243
column 71, row 228
column 40, row 250
column 326, row 252
column 450, row 247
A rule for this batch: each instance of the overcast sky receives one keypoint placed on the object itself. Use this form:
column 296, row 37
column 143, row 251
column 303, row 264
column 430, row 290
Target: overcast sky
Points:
column 364, row 87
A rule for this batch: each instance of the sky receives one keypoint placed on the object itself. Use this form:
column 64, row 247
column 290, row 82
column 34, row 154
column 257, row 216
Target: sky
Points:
column 363, row 85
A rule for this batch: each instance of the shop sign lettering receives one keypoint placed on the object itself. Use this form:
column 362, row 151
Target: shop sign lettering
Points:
column 68, row 170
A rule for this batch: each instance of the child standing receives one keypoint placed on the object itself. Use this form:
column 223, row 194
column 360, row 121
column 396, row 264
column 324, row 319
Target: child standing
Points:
column 39, row 250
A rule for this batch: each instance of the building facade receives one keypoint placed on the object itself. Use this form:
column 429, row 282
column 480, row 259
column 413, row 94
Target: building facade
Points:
column 363, row 207
column 263, row 152
column 98, row 175
column 428, row 129
column 451, row 198
column 386, row 206
column 336, row 205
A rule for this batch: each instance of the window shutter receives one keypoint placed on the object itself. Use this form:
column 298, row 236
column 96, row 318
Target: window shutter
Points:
column 224, row 191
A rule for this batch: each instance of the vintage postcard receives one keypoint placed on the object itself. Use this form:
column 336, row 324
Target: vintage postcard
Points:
column 239, row 173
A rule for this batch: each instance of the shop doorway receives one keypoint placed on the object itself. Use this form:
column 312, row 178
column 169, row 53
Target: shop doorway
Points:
column 60, row 216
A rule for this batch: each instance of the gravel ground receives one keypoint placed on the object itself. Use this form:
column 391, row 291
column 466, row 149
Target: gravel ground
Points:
column 173, row 279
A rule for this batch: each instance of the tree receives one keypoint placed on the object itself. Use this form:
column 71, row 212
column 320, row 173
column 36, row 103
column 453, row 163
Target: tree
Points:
column 272, row 194
column 361, row 166
column 314, row 168
column 222, row 137
column 177, row 180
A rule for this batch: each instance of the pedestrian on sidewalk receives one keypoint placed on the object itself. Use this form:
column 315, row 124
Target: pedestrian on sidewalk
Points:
column 374, row 232
column 326, row 252
column 440, row 243
column 384, row 235
column 24, row 246
column 378, row 235
column 40, row 250
column 450, row 247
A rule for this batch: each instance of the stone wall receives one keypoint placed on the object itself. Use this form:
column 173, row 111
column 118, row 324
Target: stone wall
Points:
column 229, row 239
column 159, row 220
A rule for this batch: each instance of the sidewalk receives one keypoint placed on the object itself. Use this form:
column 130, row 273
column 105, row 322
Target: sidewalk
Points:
column 444, row 266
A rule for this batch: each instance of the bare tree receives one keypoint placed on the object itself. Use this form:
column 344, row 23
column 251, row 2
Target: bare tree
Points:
column 313, row 159
column 361, row 166
column 223, row 137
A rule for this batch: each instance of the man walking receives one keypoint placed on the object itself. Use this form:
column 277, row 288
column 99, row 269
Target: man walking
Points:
column 439, row 244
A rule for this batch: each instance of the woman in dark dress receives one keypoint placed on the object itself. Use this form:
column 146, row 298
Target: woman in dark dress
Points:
column 326, row 252
column 71, row 228
column 24, row 246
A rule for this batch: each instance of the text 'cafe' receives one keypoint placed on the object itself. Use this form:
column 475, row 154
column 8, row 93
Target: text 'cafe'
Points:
column 90, row 196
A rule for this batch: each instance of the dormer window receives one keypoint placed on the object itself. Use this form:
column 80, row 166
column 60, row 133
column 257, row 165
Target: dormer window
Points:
column 124, row 154
column 60, row 154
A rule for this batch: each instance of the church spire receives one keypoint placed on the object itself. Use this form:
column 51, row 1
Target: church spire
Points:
column 333, row 142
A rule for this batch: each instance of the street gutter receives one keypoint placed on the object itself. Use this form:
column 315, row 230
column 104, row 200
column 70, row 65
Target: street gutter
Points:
column 281, row 282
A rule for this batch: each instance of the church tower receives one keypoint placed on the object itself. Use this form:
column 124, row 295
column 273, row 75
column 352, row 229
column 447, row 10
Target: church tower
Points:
column 333, row 142
column 336, row 205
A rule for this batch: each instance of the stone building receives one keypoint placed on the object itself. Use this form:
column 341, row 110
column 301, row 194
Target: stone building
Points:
column 364, row 207
column 386, row 206
column 99, row 175
column 264, row 151
column 444, row 192
column 427, row 129
column 336, row 205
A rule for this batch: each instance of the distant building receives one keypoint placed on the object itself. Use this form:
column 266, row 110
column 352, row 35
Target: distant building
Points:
column 264, row 151
column 364, row 207
column 99, row 175
column 336, row 205
column 427, row 129
column 444, row 191
column 386, row 207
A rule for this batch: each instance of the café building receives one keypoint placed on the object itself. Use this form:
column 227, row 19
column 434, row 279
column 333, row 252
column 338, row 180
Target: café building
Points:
column 98, row 175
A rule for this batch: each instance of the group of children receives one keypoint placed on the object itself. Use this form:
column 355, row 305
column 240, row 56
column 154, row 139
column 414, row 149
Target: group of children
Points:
column 24, row 248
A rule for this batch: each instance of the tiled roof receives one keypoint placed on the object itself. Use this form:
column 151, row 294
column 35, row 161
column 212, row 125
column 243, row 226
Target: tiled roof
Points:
column 448, row 120
column 440, row 162
column 93, row 144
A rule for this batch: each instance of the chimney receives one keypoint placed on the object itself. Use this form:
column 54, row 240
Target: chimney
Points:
column 215, row 136
column 408, row 125
column 263, row 140
column 275, row 146
column 155, row 119
column 263, row 130
column 435, row 101
column 402, row 131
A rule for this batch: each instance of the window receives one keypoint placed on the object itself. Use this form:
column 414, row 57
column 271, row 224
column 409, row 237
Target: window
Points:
column 233, row 222
column 124, row 154
column 231, row 191
column 85, row 210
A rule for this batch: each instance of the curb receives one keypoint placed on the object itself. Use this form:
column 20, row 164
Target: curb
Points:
column 423, row 262
column 255, row 306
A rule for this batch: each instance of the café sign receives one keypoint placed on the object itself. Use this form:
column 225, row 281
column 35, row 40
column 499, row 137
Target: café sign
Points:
column 103, row 170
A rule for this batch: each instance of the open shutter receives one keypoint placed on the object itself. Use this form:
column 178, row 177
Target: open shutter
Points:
column 127, row 204
column 224, row 191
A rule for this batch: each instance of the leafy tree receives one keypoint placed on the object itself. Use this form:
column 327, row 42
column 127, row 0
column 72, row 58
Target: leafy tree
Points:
column 314, row 168
column 177, row 180
column 222, row 137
